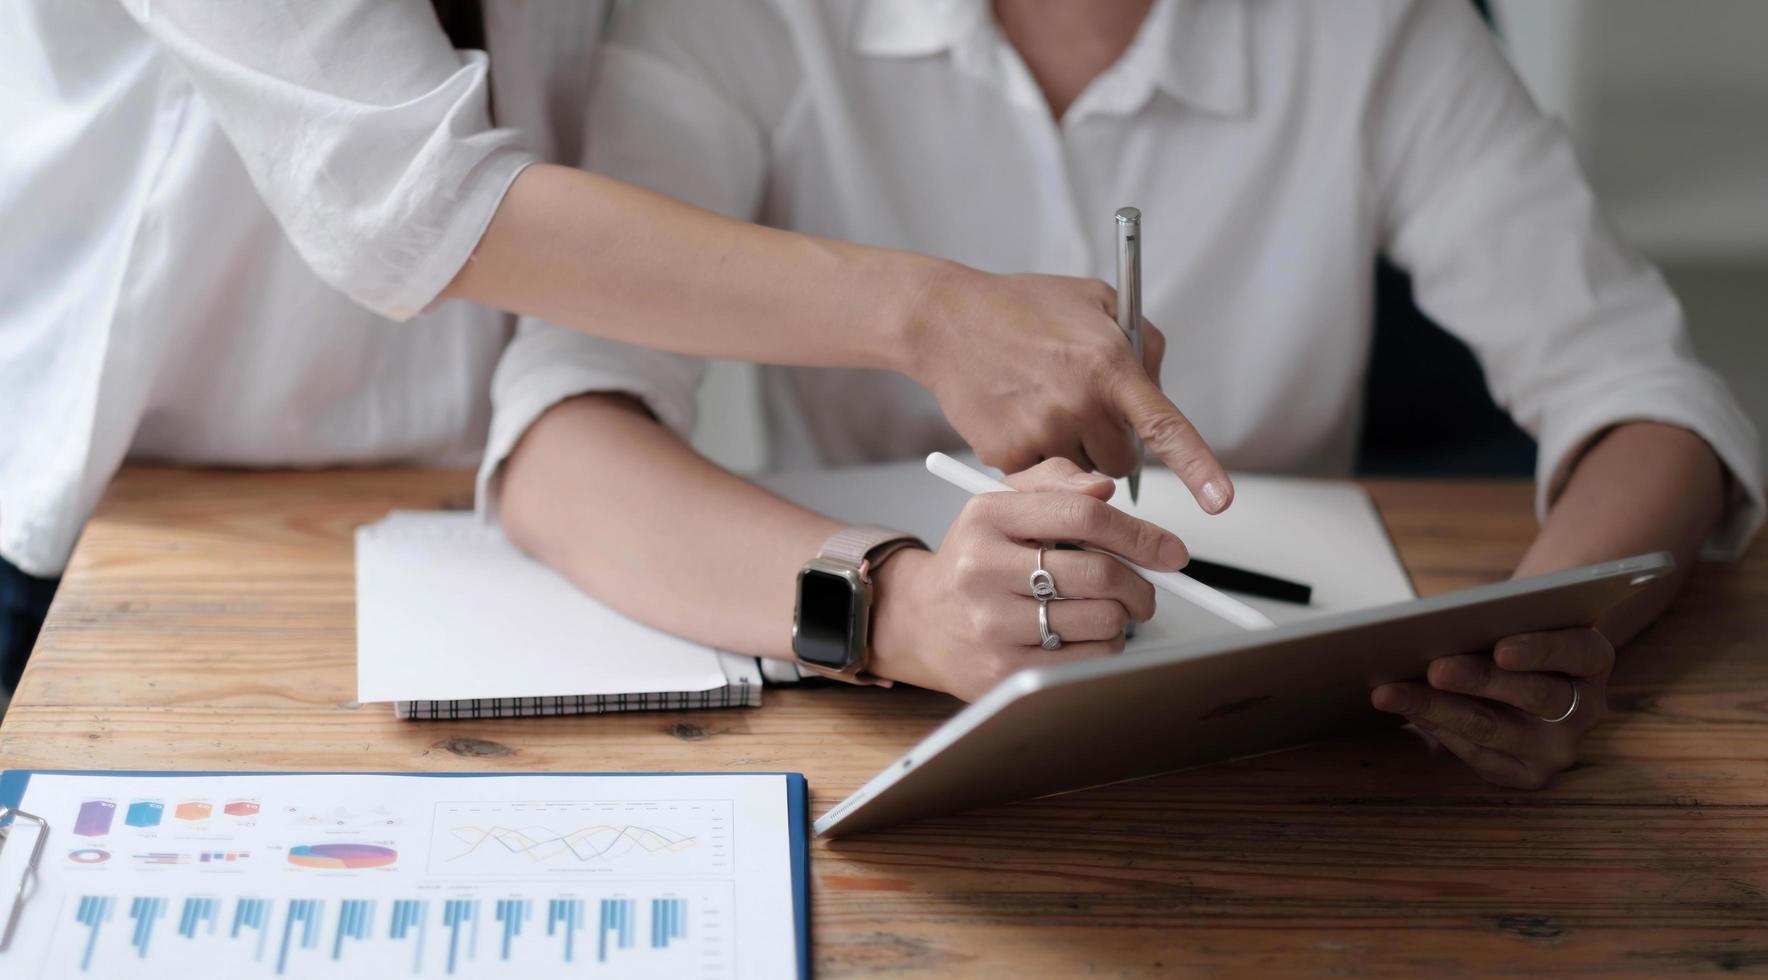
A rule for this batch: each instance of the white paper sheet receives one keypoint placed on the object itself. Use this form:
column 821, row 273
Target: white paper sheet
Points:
column 448, row 609
column 429, row 876
column 1325, row 533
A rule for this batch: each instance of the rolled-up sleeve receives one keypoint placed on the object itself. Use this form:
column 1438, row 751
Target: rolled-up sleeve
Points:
column 367, row 135
column 545, row 365
column 656, row 120
column 1484, row 203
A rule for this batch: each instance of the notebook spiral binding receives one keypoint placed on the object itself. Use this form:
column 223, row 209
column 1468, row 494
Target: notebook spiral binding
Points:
column 738, row 694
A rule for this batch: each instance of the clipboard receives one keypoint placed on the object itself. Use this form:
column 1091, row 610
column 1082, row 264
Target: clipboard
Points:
column 14, row 785
column 10, row 815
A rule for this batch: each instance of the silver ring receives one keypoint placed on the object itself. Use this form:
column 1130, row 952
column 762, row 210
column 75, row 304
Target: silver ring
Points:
column 1043, row 584
column 1569, row 711
column 1048, row 638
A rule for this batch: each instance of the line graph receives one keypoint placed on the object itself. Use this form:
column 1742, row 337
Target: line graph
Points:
column 672, row 837
column 603, row 841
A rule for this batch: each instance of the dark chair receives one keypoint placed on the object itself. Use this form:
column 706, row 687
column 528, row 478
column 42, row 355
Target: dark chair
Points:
column 1427, row 411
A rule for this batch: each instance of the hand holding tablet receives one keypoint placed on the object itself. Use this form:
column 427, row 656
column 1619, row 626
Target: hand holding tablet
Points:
column 1159, row 710
column 1514, row 715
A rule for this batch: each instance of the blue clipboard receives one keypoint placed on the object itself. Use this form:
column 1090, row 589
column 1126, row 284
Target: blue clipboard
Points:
column 13, row 783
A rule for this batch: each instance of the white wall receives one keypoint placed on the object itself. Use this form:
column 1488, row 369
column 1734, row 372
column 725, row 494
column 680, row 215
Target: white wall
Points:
column 1668, row 100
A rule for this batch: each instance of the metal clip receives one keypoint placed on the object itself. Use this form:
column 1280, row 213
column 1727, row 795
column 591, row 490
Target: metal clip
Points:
column 9, row 817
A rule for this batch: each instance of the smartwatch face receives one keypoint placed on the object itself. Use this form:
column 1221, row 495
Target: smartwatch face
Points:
column 826, row 606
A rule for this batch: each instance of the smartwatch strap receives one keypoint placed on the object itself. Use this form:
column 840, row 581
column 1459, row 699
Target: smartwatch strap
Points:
column 866, row 546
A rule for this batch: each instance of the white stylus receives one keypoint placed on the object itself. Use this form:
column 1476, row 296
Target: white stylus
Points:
column 974, row 482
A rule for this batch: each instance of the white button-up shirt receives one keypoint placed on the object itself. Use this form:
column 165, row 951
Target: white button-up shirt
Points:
column 1275, row 149
column 191, row 194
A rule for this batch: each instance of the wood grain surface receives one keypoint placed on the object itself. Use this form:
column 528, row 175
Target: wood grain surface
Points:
column 207, row 623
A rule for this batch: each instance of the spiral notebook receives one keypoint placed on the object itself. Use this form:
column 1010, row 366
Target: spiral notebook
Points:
column 453, row 621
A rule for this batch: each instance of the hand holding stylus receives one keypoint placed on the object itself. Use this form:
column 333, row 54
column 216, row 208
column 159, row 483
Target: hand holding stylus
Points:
column 963, row 617
column 1192, row 591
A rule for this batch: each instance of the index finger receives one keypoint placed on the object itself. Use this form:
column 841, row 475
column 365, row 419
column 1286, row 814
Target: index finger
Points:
column 1580, row 652
column 1175, row 440
column 1082, row 519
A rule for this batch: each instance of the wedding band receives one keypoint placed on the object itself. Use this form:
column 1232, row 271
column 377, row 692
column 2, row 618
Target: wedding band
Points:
column 1043, row 584
column 1569, row 711
column 1049, row 639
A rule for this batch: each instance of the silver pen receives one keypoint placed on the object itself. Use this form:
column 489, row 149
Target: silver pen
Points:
column 1129, row 308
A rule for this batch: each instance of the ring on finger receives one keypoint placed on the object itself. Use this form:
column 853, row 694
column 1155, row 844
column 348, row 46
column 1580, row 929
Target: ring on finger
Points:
column 1043, row 584
column 1569, row 711
column 1048, row 638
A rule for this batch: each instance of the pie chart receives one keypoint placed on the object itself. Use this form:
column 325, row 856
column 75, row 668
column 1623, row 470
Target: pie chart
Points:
column 339, row 857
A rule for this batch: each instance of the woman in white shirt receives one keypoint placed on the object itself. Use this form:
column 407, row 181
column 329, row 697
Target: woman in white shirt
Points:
column 215, row 216
column 1276, row 149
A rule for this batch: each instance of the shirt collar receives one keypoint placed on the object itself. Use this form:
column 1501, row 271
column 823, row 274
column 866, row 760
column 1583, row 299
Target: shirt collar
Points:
column 917, row 28
column 1195, row 51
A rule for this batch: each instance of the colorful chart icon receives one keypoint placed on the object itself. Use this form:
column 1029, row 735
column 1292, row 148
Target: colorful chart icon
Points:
column 193, row 810
column 342, row 856
column 95, row 818
column 145, row 813
column 89, row 855
column 241, row 808
column 219, row 857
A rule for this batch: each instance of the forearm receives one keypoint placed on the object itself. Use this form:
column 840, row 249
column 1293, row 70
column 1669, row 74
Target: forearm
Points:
column 595, row 254
column 631, row 514
column 601, row 492
column 1643, row 487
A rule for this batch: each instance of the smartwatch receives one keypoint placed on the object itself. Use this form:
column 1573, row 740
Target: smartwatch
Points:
column 831, row 626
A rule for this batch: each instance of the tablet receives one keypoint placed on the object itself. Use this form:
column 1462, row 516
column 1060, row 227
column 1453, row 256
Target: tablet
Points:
column 1055, row 729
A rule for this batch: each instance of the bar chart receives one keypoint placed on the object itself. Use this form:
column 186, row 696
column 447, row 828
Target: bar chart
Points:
column 681, row 933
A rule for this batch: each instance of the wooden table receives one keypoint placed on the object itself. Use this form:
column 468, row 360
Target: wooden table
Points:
column 207, row 623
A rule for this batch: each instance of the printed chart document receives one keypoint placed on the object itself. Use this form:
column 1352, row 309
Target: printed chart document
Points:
column 191, row 875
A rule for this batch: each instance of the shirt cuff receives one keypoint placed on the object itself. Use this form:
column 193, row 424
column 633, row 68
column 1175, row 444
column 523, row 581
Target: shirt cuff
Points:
column 420, row 291
column 1699, row 407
